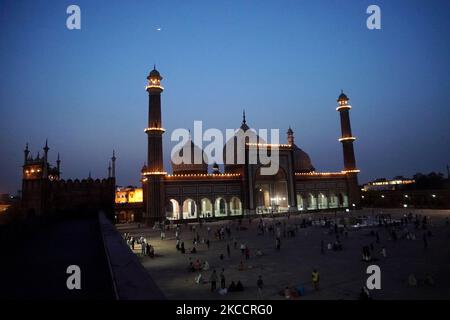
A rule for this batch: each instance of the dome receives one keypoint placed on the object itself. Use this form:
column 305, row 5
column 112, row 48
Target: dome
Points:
column 342, row 97
column 191, row 167
column 302, row 161
column 154, row 74
column 243, row 135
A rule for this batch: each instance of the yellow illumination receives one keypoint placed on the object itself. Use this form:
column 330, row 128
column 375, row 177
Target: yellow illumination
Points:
column 351, row 171
column 211, row 175
column 154, row 86
column 313, row 173
column 154, row 129
column 268, row 145
column 343, row 107
column 150, row 173
column 129, row 195
column 347, row 139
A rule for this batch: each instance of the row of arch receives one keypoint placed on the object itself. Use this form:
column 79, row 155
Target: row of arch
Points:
column 312, row 201
column 190, row 209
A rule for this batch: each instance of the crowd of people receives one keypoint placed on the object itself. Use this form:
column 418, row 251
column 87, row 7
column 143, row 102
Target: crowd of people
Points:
column 195, row 240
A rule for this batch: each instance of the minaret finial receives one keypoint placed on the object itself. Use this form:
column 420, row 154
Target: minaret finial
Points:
column 154, row 66
column 243, row 117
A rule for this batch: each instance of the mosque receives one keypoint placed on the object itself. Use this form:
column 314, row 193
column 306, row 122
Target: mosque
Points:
column 193, row 191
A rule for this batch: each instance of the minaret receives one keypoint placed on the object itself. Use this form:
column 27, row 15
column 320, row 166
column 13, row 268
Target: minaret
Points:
column 290, row 136
column 109, row 170
column 113, row 159
column 346, row 134
column 45, row 164
column 26, row 153
column 155, row 170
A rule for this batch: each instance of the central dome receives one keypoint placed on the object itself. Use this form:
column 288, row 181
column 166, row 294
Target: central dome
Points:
column 302, row 161
column 179, row 166
column 243, row 135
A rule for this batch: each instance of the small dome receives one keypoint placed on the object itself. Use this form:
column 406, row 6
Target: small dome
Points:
column 243, row 135
column 342, row 97
column 154, row 74
column 191, row 167
column 302, row 161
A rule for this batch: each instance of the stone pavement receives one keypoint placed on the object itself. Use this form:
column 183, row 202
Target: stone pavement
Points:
column 342, row 273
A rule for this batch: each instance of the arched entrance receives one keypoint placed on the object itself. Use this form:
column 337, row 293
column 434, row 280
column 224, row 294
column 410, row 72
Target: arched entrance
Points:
column 220, row 207
column 322, row 201
column 300, row 204
column 235, row 206
column 173, row 210
column 312, row 202
column 206, row 208
column 271, row 194
column 189, row 209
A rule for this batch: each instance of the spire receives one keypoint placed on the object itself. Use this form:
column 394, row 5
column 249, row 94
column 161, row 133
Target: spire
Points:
column 46, row 148
column 89, row 175
column 26, row 153
column 154, row 66
column 243, row 117
column 290, row 136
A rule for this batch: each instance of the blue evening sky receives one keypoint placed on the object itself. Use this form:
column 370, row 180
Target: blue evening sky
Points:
column 283, row 61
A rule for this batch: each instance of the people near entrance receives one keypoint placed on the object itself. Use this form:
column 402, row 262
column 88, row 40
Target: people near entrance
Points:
column 182, row 249
column 259, row 285
column 242, row 247
column 222, row 279
column 198, row 278
column 315, row 279
column 151, row 251
column 278, row 243
column 206, row 266
column 213, row 280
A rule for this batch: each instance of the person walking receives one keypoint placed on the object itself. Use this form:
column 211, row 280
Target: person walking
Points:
column 228, row 250
column 213, row 280
column 259, row 285
column 315, row 279
column 222, row 279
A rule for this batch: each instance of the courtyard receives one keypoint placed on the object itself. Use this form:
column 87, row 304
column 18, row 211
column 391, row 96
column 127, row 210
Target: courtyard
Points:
column 342, row 272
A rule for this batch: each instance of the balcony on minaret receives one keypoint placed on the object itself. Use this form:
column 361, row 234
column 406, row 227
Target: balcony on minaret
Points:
column 154, row 80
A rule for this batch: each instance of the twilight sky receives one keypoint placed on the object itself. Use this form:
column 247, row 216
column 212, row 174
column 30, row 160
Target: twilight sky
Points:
column 283, row 61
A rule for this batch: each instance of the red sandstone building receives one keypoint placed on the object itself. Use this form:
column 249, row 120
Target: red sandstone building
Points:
column 190, row 192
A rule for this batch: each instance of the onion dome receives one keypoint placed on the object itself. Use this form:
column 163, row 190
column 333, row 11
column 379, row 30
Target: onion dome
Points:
column 342, row 97
column 302, row 161
column 197, row 163
column 237, row 143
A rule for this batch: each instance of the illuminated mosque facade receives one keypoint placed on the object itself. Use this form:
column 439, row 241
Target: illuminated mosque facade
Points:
column 192, row 191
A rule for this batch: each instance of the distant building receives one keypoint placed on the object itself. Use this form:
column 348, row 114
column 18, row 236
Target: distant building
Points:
column 384, row 184
column 43, row 190
column 404, row 193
